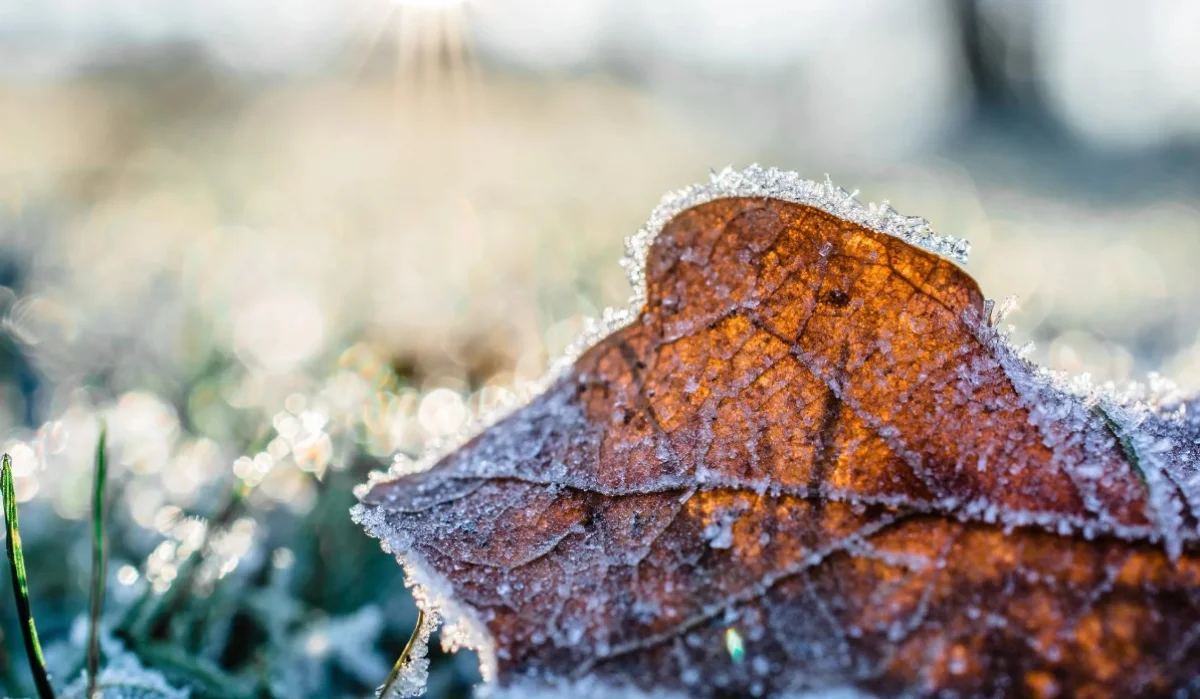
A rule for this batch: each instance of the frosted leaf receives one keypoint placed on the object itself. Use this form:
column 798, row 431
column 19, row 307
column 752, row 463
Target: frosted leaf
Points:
column 582, row 689
column 753, row 181
column 595, row 689
column 809, row 436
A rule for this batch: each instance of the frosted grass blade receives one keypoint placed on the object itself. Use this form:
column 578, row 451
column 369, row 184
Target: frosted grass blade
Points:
column 399, row 666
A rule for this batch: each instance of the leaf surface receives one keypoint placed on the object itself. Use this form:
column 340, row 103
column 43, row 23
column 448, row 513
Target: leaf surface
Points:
column 811, row 462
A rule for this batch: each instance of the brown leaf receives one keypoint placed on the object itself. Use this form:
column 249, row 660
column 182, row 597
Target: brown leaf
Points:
column 811, row 462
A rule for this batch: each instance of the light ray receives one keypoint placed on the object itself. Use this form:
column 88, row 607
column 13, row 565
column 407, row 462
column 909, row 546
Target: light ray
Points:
column 433, row 64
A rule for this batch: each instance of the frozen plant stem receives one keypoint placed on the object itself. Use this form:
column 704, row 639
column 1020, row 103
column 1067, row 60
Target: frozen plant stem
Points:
column 399, row 666
column 99, row 562
column 16, row 559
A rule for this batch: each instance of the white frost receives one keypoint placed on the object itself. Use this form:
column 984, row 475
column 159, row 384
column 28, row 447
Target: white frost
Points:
column 589, row 688
column 414, row 674
column 771, row 183
column 123, row 677
column 435, row 596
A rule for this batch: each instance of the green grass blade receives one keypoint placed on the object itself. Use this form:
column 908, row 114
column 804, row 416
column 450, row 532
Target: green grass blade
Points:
column 16, row 559
column 395, row 673
column 99, row 561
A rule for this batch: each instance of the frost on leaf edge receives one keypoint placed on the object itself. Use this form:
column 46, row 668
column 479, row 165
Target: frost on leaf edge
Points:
column 753, row 181
column 1128, row 405
column 433, row 592
column 461, row 627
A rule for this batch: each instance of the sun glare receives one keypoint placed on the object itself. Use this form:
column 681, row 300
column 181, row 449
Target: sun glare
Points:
column 430, row 47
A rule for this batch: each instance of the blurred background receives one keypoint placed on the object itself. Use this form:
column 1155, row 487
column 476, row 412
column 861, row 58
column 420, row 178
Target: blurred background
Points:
column 275, row 244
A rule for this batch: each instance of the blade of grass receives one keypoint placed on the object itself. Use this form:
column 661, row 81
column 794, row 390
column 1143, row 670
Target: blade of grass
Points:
column 16, row 559
column 99, row 561
column 399, row 666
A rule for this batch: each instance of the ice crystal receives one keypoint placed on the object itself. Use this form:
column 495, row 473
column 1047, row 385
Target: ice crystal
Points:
column 771, row 183
column 595, row 689
column 123, row 677
column 414, row 674
column 461, row 627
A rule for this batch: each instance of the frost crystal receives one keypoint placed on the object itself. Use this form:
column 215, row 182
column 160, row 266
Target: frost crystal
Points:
column 415, row 672
column 434, row 595
column 595, row 689
column 771, row 183
column 123, row 677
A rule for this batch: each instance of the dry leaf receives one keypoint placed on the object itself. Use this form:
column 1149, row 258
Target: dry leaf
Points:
column 810, row 462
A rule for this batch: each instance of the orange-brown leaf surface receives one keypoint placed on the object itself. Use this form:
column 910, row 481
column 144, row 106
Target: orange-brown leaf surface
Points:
column 810, row 462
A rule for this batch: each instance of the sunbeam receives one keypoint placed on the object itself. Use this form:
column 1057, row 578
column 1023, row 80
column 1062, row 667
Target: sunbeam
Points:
column 432, row 62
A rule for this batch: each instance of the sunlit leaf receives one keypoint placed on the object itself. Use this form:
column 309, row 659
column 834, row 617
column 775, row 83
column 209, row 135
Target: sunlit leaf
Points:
column 810, row 462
